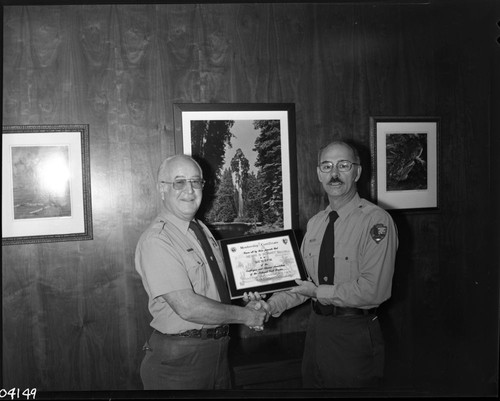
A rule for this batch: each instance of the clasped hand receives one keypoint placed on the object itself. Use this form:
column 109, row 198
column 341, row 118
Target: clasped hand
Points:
column 256, row 301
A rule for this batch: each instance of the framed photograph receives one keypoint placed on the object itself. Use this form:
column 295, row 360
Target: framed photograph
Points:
column 263, row 262
column 45, row 184
column 405, row 157
column 247, row 153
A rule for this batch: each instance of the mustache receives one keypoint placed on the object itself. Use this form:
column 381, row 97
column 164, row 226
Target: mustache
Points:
column 335, row 180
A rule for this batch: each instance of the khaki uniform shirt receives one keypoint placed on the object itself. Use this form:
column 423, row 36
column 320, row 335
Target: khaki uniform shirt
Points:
column 365, row 252
column 169, row 258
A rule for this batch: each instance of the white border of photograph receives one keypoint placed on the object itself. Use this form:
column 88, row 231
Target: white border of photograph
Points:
column 76, row 226
column 184, row 114
column 380, row 127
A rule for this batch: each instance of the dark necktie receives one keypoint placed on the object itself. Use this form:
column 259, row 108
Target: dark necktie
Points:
column 326, row 264
column 214, row 267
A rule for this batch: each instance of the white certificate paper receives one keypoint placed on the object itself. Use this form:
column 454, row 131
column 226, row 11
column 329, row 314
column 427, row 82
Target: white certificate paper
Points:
column 263, row 263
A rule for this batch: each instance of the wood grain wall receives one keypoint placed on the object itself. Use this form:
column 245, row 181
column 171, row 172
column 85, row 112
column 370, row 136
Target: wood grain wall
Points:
column 75, row 313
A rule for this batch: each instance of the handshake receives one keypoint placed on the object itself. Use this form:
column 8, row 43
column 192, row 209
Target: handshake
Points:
column 261, row 310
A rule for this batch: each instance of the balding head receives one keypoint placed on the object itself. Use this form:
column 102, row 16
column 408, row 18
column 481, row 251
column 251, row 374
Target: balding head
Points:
column 354, row 151
column 171, row 162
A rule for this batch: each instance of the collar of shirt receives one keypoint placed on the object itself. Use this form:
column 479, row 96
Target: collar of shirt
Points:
column 346, row 209
column 182, row 225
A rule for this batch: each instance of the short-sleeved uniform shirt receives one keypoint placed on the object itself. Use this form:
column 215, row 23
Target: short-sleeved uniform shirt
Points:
column 169, row 258
column 365, row 252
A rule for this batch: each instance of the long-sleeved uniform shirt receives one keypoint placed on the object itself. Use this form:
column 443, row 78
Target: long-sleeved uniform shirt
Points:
column 365, row 251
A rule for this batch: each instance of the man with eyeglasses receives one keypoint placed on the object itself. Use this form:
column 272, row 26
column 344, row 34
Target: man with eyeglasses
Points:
column 349, row 251
column 183, row 273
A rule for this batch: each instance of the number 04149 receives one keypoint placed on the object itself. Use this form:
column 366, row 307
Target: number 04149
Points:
column 17, row 393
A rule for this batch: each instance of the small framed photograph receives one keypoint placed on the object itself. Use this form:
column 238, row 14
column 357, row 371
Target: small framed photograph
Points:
column 264, row 263
column 405, row 157
column 247, row 153
column 45, row 184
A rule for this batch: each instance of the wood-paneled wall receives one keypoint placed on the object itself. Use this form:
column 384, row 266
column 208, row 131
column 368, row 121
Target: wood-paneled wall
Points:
column 75, row 313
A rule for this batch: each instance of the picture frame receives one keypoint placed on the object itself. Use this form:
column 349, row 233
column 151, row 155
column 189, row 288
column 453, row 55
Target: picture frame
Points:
column 251, row 187
column 46, row 193
column 262, row 263
column 405, row 162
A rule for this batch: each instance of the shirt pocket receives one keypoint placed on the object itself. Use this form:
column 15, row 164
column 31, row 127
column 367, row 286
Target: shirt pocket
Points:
column 346, row 263
column 197, row 272
column 311, row 256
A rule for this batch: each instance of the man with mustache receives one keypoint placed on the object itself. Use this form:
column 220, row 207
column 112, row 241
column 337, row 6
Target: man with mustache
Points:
column 349, row 251
column 182, row 270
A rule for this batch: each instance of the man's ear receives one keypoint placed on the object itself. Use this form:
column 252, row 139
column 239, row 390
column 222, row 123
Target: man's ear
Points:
column 162, row 194
column 359, row 173
column 319, row 174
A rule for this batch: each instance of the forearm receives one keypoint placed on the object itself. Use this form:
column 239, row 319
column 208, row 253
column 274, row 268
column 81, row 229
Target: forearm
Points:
column 358, row 293
column 199, row 309
column 370, row 289
column 283, row 300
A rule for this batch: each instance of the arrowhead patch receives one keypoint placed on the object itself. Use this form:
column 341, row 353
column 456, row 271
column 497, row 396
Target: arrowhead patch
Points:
column 378, row 232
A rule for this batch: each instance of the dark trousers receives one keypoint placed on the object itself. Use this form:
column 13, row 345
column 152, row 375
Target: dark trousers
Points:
column 343, row 352
column 184, row 363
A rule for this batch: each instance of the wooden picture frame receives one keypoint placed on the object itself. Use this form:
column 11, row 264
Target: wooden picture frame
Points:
column 405, row 162
column 46, row 194
column 251, row 186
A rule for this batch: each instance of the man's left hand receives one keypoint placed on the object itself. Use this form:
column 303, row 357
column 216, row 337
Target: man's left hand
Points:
column 306, row 288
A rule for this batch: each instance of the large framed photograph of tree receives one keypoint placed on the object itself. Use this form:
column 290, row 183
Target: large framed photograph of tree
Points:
column 248, row 156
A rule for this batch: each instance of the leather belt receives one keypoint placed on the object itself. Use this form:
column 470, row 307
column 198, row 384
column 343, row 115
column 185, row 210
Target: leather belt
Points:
column 332, row 310
column 215, row 333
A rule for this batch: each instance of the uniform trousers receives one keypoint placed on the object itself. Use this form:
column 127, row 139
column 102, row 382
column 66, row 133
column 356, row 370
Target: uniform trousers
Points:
column 343, row 352
column 185, row 363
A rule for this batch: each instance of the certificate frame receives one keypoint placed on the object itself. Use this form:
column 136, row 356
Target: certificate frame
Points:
column 254, row 275
column 405, row 162
column 46, row 194
column 251, row 187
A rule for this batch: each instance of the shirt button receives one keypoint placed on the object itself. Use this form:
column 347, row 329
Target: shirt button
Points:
column 325, row 278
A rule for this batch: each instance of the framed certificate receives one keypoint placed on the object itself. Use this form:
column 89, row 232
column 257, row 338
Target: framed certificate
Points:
column 264, row 263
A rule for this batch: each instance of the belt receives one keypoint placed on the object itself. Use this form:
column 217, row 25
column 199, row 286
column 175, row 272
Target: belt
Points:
column 332, row 310
column 215, row 333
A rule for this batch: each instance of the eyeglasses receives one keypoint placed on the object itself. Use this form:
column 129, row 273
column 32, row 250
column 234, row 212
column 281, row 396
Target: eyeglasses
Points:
column 181, row 184
column 343, row 166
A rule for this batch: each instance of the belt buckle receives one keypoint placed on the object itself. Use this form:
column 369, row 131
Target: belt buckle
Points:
column 326, row 310
column 219, row 332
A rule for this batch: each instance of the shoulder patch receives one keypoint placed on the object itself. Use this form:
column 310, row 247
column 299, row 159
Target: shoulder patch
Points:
column 378, row 232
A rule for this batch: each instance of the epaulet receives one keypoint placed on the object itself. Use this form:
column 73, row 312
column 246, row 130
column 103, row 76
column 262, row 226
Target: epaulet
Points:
column 368, row 208
column 158, row 230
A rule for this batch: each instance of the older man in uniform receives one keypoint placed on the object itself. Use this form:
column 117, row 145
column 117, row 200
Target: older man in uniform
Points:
column 183, row 273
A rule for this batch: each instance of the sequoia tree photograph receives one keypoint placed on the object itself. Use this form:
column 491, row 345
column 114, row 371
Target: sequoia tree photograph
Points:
column 241, row 160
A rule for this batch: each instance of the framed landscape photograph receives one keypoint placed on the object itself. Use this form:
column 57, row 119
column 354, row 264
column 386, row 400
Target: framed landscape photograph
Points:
column 405, row 162
column 45, row 184
column 247, row 153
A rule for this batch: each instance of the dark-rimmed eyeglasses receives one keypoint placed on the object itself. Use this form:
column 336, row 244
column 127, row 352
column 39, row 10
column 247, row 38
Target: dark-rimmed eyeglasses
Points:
column 342, row 165
column 181, row 184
